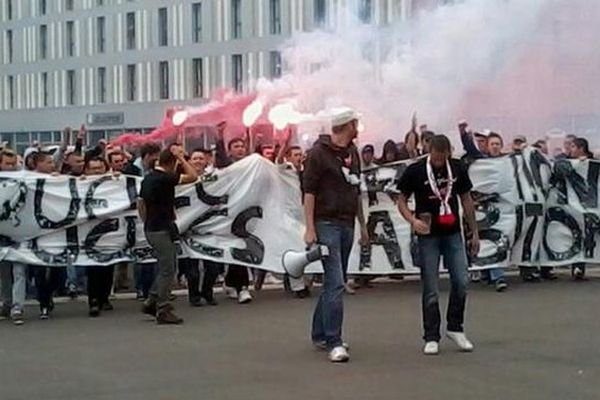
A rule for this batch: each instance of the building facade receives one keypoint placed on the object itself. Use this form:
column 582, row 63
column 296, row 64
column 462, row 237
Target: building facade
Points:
column 116, row 65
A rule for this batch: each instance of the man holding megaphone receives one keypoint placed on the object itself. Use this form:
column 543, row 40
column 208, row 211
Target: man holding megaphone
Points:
column 331, row 205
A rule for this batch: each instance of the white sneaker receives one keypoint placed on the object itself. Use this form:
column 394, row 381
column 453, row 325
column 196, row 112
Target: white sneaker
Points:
column 339, row 355
column 323, row 345
column 244, row 297
column 230, row 292
column 431, row 349
column 461, row 341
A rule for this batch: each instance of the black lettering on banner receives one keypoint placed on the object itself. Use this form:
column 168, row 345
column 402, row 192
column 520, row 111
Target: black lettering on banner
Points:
column 14, row 193
column 92, row 238
column 62, row 258
column 208, row 198
column 132, row 192
column 182, row 201
column 388, row 240
column 557, row 214
column 74, row 205
column 587, row 192
column 255, row 249
column 90, row 202
column 520, row 213
column 531, row 210
column 592, row 229
column 485, row 204
column 538, row 161
column 515, row 164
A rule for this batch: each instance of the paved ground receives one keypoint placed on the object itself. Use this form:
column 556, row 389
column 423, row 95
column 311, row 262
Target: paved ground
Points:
column 537, row 341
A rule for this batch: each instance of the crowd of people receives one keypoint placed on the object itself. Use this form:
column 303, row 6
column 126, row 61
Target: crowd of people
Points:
column 163, row 168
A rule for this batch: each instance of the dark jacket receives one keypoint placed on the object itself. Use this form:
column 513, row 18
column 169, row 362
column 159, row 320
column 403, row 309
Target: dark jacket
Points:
column 132, row 169
column 222, row 160
column 332, row 175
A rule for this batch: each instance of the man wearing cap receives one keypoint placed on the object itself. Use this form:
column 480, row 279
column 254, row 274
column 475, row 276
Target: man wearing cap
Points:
column 332, row 204
column 519, row 143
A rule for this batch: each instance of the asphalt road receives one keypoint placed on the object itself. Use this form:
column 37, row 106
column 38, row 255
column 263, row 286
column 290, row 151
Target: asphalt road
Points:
column 536, row 341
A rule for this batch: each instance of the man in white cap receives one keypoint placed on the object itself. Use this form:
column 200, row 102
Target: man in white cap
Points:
column 332, row 204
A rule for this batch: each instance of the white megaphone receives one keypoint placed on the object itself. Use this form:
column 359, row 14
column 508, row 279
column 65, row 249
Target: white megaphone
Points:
column 295, row 262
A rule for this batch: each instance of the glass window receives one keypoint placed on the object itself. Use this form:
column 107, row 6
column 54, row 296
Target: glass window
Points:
column 365, row 12
column 71, row 88
column 130, row 30
column 237, row 70
column 320, row 12
column 45, row 89
column 70, row 38
column 197, row 22
column 163, row 27
column 275, row 57
column 43, row 41
column 9, row 9
column 57, row 136
column 45, row 137
column 42, row 7
column 236, row 19
column 95, row 136
column 275, row 16
column 69, row 5
column 9, row 44
column 101, row 85
column 198, row 72
column 11, row 92
column 23, row 137
column 100, row 34
column 131, row 87
column 163, row 75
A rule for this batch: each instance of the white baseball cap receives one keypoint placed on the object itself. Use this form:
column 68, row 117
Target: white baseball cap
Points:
column 342, row 115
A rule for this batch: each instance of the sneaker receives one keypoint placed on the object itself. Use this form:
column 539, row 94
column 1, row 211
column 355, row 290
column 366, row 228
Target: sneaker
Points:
column 302, row 294
column 107, row 306
column 44, row 313
column 244, row 297
column 431, row 349
column 322, row 345
column 172, row 297
column 149, row 308
column 475, row 276
column 230, row 292
column 94, row 311
column 461, row 341
column 349, row 289
column 196, row 302
column 166, row 317
column 339, row 355
column 501, row 285
column 210, row 301
column 578, row 273
column 17, row 318
column 548, row 275
column 139, row 296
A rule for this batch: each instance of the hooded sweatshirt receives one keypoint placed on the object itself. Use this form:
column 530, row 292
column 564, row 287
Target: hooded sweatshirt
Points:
column 332, row 175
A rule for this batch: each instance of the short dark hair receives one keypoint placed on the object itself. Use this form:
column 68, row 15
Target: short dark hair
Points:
column 39, row 157
column 426, row 135
column 497, row 136
column 95, row 159
column 114, row 153
column 583, row 144
column 166, row 158
column 6, row 152
column 571, row 136
column 201, row 150
column 234, row 141
column 149, row 148
column 441, row 143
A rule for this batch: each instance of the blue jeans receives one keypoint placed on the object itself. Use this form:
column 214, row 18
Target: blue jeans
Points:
column 496, row 274
column 329, row 313
column 452, row 248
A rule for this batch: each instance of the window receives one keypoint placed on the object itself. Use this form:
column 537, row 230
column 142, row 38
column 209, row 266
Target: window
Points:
column 99, row 3
column 45, row 89
column 9, row 9
column 197, row 22
column 71, row 87
column 163, row 75
column 365, row 11
column 275, row 57
column 275, row 16
column 11, row 92
column 131, row 88
column 237, row 71
column 43, row 41
column 198, row 72
column 101, row 85
column 236, row 19
column 100, row 34
column 163, row 27
column 69, row 5
column 42, row 7
column 9, row 45
column 70, row 38
column 130, row 31
column 320, row 12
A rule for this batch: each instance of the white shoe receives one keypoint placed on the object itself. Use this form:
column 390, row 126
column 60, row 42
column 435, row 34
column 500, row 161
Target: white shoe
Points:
column 230, row 292
column 349, row 289
column 323, row 345
column 431, row 349
column 461, row 341
column 339, row 355
column 244, row 297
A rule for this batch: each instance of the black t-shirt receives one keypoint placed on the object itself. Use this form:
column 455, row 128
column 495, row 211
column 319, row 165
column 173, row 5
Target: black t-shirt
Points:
column 158, row 193
column 415, row 181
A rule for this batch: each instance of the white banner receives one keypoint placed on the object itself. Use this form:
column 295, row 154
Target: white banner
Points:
column 529, row 213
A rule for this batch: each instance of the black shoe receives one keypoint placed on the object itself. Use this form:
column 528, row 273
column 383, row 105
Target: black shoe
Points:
column 196, row 302
column 166, row 317
column 139, row 296
column 548, row 276
column 302, row 294
column 107, row 306
column 94, row 311
column 531, row 277
column 210, row 300
column 149, row 308
column 44, row 313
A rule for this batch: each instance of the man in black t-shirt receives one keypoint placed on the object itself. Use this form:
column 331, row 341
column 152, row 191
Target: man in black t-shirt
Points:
column 157, row 209
column 437, row 182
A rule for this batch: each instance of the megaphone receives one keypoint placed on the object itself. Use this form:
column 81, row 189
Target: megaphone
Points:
column 295, row 262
